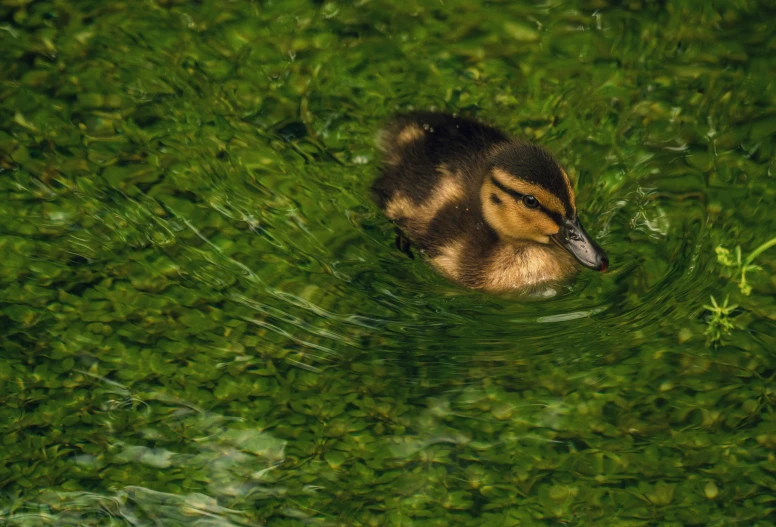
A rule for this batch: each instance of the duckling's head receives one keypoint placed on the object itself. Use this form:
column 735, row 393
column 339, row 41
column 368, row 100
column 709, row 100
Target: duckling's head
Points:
column 527, row 196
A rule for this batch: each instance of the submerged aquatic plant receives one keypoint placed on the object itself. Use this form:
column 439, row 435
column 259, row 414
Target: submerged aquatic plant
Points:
column 742, row 266
column 719, row 322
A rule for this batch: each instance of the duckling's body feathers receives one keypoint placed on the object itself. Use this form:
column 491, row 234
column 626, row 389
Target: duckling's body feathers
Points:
column 416, row 145
column 434, row 166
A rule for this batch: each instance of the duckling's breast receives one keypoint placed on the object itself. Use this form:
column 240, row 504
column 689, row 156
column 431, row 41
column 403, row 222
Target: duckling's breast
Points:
column 512, row 267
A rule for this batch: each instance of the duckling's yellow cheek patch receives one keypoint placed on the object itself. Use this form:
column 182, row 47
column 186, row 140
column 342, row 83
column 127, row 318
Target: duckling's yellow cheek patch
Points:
column 541, row 223
column 532, row 225
column 512, row 219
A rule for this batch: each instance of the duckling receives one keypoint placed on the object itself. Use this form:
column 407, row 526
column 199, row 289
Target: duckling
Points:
column 489, row 212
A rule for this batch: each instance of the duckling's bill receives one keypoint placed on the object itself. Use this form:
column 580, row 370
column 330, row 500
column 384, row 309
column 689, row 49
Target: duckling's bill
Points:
column 573, row 237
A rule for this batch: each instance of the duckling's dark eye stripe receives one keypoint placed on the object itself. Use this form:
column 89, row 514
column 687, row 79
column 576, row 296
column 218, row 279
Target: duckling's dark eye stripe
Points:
column 518, row 196
column 515, row 194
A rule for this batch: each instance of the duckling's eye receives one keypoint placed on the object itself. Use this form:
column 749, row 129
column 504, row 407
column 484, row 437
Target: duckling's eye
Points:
column 530, row 202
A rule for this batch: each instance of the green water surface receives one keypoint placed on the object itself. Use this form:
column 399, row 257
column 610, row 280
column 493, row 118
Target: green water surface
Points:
column 205, row 323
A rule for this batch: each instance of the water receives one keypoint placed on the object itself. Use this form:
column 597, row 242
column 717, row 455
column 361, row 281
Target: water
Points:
column 205, row 322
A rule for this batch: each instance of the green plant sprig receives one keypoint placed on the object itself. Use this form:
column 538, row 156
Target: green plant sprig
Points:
column 742, row 266
column 719, row 323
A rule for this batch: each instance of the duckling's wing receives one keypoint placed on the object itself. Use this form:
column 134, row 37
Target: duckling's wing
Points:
column 419, row 147
column 445, row 137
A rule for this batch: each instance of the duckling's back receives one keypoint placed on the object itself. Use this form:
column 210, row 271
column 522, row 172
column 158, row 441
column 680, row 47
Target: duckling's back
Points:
column 434, row 164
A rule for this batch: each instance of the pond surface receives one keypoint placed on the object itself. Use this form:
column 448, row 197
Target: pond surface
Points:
column 205, row 321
